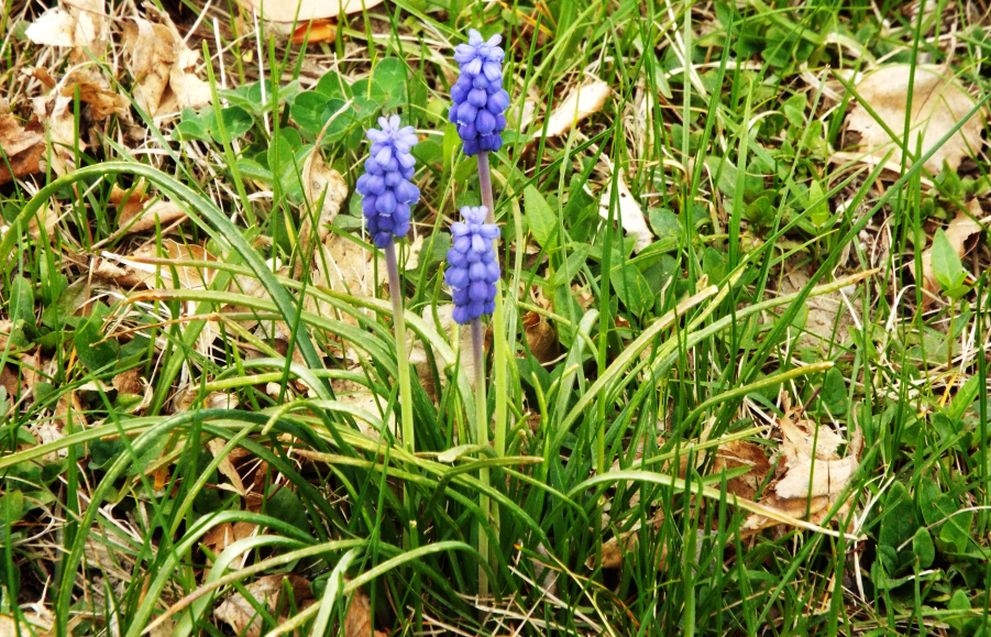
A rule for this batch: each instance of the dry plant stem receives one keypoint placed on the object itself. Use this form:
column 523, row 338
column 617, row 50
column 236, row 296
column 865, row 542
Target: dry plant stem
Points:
column 402, row 360
column 482, row 435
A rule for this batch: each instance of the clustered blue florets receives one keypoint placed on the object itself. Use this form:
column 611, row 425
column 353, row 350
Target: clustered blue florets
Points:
column 472, row 269
column 386, row 187
column 479, row 100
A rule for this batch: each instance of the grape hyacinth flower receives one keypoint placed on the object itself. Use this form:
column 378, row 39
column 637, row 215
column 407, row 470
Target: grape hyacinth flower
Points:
column 479, row 101
column 472, row 269
column 386, row 187
column 388, row 192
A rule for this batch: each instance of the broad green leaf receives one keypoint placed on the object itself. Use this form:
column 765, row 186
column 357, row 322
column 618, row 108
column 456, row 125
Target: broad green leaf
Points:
column 923, row 547
column 947, row 268
column 541, row 218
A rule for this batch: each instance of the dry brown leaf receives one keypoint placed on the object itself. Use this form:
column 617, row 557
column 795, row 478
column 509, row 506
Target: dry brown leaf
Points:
column 57, row 112
column 939, row 102
column 14, row 138
column 223, row 535
column 22, row 149
column 6, row 329
column 741, row 453
column 960, row 230
column 81, row 24
column 325, row 187
column 631, row 216
column 358, row 622
column 33, row 624
column 238, row 613
column 358, row 395
column 541, row 337
column 813, row 466
column 145, row 269
column 163, row 68
column 301, row 10
column 135, row 214
column 827, row 319
column 811, row 473
column 95, row 92
column 226, row 467
column 615, row 549
column 582, row 101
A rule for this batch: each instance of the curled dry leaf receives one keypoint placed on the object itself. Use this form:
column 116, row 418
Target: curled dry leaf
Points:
column 582, row 101
column 541, row 337
column 223, row 535
column 238, row 613
column 163, row 68
column 301, row 10
column 938, row 104
column 56, row 110
column 958, row 233
column 827, row 320
column 615, row 549
column 628, row 208
column 323, row 187
column 136, row 214
column 226, row 467
column 743, row 454
column 22, row 149
column 80, row 24
column 358, row 621
column 144, row 268
column 359, row 396
column 811, row 475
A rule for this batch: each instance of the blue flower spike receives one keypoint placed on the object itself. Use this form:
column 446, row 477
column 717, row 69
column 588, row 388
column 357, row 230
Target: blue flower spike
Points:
column 479, row 101
column 387, row 188
column 472, row 268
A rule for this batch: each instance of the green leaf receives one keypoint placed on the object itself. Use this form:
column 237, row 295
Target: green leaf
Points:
column 11, row 507
column 923, row 547
column 389, row 82
column 541, row 218
column 284, row 504
column 947, row 268
column 898, row 524
column 569, row 269
column 203, row 125
column 834, row 392
column 794, row 109
column 631, row 286
column 93, row 350
column 818, row 205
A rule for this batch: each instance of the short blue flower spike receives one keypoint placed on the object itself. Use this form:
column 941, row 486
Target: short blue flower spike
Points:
column 479, row 101
column 386, row 187
column 472, row 269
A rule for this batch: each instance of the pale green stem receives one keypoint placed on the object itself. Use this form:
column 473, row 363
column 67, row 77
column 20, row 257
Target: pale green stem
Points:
column 499, row 356
column 482, row 435
column 402, row 360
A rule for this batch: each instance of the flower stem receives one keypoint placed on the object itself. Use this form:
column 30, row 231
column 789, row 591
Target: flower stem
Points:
column 485, row 183
column 482, row 438
column 402, row 360
column 499, row 358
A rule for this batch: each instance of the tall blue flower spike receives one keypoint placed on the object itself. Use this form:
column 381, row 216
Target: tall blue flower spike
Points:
column 479, row 101
column 387, row 188
column 472, row 269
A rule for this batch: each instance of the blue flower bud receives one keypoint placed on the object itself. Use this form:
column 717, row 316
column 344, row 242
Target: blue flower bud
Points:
column 478, row 99
column 472, row 269
column 386, row 187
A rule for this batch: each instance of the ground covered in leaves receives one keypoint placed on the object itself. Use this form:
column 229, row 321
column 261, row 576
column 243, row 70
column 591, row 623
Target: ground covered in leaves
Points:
column 739, row 381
